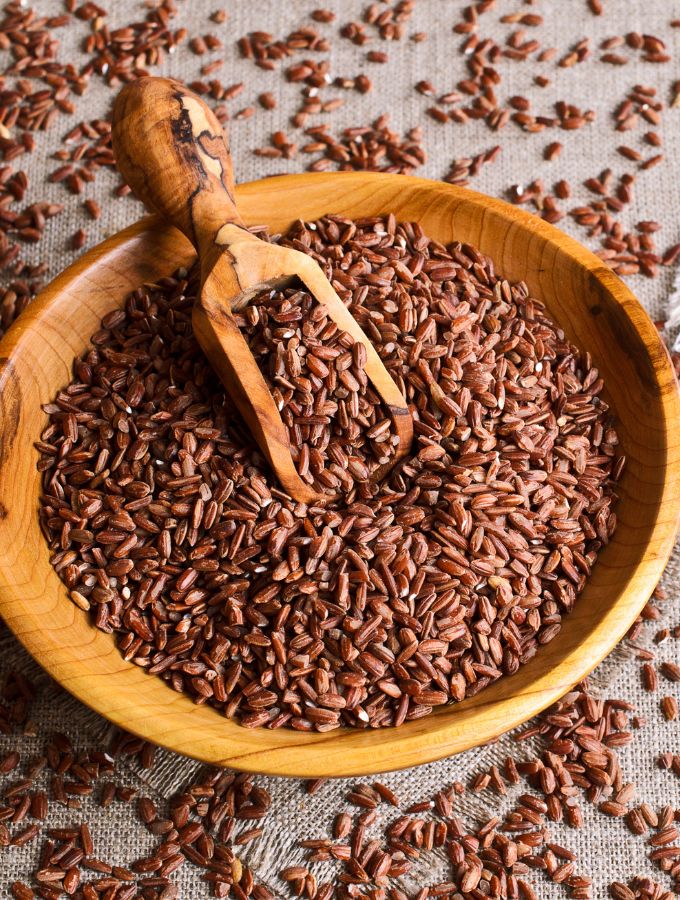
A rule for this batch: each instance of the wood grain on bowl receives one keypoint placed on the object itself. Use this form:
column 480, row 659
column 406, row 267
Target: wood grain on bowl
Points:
column 595, row 308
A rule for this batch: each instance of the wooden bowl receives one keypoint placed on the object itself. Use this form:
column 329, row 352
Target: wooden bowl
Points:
column 594, row 307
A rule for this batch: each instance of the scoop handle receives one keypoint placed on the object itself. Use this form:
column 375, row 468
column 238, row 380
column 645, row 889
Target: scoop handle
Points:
column 173, row 152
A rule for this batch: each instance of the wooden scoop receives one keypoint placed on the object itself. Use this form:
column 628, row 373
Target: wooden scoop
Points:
column 172, row 151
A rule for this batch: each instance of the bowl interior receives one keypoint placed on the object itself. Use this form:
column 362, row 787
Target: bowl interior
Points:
column 593, row 306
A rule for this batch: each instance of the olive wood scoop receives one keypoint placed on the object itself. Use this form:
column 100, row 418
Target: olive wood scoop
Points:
column 172, row 151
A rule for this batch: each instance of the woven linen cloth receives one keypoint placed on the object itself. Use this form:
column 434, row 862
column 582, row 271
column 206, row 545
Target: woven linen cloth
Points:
column 604, row 848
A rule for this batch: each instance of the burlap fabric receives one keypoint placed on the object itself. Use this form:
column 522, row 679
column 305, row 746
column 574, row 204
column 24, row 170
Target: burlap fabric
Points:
column 604, row 848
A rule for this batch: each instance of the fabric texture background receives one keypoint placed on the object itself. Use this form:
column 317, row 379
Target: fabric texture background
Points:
column 604, row 848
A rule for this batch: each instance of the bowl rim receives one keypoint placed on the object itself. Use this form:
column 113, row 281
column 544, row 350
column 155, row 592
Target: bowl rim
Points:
column 308, row 758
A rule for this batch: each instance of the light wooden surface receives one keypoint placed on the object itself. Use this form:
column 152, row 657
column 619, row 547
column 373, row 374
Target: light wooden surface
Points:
column 593, row 306
column 172, row 151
